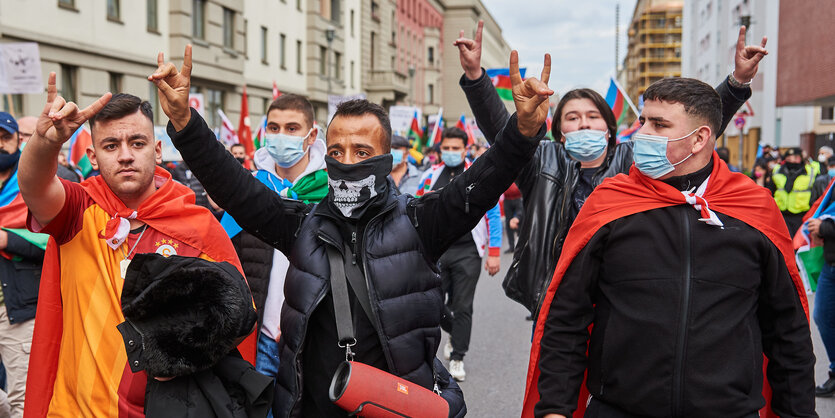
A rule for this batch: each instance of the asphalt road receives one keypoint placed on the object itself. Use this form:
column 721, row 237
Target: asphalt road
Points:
column 497, row 362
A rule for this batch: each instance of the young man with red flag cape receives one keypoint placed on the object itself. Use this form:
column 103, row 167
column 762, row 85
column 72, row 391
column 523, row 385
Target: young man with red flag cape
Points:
column 78, row 363
column 674, row 284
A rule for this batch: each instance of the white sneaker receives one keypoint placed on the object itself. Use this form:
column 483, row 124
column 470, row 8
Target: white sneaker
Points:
column 447, row 350
column 456, row 369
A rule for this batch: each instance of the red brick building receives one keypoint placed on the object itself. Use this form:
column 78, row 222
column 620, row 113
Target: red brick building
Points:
column 420, row 43
column 806, row 61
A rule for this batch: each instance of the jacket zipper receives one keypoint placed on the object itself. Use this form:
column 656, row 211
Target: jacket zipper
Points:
column 678, row 372
column 467, row 197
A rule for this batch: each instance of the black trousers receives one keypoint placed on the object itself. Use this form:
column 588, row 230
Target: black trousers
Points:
column 793, row 221
column 460, row 268
column 599, row 409
column 512, row 208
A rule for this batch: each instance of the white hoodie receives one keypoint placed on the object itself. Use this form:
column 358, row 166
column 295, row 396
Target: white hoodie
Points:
column 275, row 289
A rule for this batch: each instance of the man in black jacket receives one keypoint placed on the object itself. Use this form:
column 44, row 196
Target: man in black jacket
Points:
column 395, row 241
column 555, row 183
column 20, row 269
column 686, row 293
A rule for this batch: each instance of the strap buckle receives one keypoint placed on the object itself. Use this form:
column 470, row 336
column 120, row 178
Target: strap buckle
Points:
column 349, row 354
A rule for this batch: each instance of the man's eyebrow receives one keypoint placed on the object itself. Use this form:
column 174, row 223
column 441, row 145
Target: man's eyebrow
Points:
column 655, row 118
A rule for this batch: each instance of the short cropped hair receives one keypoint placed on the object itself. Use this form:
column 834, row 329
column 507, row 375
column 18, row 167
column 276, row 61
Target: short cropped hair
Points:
column 700, row 100
column 293, row 102
column 121, row 105
column 599, row 103
column 236, row 145
column 453, row 132
column 362, row 107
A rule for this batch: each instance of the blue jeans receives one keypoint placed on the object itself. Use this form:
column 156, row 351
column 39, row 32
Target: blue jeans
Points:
column 266, row 360
column 824, row 313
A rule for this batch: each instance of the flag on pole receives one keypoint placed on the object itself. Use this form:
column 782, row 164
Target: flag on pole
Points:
column 549, row 120
column 79, row 142
column 227, row 130
column 258, row 142
column 626, row 134
column 501, row 81
column 619, row 101
column 462, row 125
column 244, row 128
column 276, row 93
column 430, row 141
column 415, row 134
column 809, row 256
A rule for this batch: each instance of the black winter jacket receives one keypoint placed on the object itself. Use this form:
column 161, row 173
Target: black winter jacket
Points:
column 683, row 313
column 547, row 184
column 400, row 249
column 257, row 261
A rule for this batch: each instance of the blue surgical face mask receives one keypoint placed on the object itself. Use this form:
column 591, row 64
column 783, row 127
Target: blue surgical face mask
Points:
column 650, row 154
column 397, row 157
column 452, row 158
column 831, row 172
column 285, row 149
column 586, row 144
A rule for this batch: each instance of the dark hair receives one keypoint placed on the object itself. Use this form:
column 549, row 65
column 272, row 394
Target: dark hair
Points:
column 362, row 107
column 599, row 103
column 289, row 101
column 237, row 145
column 700, row 100
column 724, row 154
column 453, row 132
column 121, row 105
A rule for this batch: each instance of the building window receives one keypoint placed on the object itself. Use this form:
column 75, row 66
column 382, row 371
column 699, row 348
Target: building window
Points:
column 198, row 19
column 68, row 83
column 430, row 96
column 373, row 48
column 214, row 101
column 299, row 5
column 113, row 10
column 151, row 11
column 375, row 11
column 827, row 114
column 352, row 23
column 153, row 98
column 323, row 57
column 228, row 28
column 299, row 57
column 282, row 41
column 430, row 55
column 335, row 10
column 337, row 62
column 352, row 74
column 69, row 4
column 15, row 105
column 263, row 44
column 246, row 38
column 115, row 82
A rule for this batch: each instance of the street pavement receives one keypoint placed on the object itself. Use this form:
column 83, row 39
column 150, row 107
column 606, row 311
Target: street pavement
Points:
column 497, row 361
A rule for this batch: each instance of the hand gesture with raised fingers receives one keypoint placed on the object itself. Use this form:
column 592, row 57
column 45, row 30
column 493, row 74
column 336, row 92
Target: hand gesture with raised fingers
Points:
column 173, row 88
column 747, row 58
column 59, row 118
column 530, row 96
column 469, row 52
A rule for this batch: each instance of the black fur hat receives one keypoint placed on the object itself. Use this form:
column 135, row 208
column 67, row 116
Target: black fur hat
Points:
column 182, row 314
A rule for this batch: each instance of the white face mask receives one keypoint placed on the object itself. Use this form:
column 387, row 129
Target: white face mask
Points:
column 285, row 149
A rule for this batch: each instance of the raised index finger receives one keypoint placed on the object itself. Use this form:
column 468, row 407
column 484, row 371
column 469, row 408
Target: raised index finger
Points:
column 160, row 59
column 478, row 31
column 51, row 88
column 740, row 41
column 97, row 106
column 186, row 70
column 515, row 77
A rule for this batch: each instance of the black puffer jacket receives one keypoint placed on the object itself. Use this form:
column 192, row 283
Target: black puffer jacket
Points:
column 405, row 294
column 257, row 261
column 548, row 184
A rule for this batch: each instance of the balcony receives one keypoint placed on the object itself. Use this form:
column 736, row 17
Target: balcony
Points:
column 388, row 80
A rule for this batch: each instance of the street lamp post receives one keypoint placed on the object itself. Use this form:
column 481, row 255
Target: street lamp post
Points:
column 412, row 83
column 329, row 35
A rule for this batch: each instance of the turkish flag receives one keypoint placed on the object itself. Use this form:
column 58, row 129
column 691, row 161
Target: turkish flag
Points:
column 244, row 130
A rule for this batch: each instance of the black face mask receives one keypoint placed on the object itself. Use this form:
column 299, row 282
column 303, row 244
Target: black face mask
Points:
column 7, row 160
column 353, row 186
column 241, row 160
column 794, row 166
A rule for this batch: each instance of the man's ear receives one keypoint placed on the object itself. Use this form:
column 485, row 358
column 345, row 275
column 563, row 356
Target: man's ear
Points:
column 158, row 152
column 312, row 137
column 704, row 138
column 91, row 155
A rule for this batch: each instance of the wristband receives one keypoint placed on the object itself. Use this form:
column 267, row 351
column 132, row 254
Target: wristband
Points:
column 736, row 83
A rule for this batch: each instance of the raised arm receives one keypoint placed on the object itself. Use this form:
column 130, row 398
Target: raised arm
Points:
column 444, row 216
column 256, row 208
column 734, row 90
column 40, row 188
column 488, row 109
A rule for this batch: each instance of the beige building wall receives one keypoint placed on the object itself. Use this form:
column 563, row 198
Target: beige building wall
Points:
column 383, row 83
column 465, row 14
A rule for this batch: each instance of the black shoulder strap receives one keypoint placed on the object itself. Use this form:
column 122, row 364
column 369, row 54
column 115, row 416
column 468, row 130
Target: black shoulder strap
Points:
column 341, row 302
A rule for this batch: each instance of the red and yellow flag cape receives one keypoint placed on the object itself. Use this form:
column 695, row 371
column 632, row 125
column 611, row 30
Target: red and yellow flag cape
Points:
column 170, row 210
column 732, row 194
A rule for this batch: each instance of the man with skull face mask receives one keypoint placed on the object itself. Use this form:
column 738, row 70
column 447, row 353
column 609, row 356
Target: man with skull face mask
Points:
column 396, row 239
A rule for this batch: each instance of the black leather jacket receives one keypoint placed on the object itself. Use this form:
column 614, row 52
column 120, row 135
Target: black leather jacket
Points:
column 547, row 184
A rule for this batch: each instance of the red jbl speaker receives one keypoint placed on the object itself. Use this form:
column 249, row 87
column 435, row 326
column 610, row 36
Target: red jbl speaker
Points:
column 367, row 391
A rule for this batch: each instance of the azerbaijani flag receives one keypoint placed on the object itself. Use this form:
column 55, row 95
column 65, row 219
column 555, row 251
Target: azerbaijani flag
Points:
column 415, row 134
column 626, row 134
column 809, row 255
column 258, row 141
column 619, row 101
column 462, row 125
column 79, row 142
column 501, row 81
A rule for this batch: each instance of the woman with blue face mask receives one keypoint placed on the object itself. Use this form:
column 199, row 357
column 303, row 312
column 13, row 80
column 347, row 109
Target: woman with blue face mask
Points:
column 564, row 172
